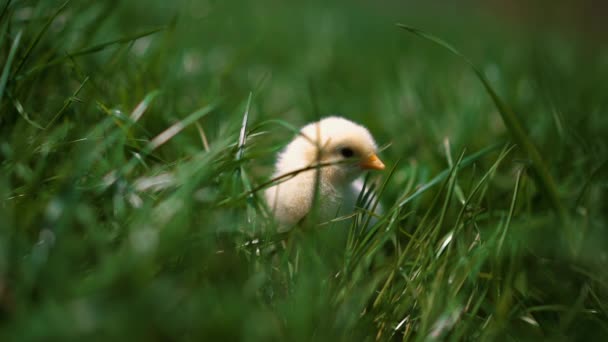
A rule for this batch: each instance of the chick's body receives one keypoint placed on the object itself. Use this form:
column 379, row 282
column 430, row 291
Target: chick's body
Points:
column 343, row 150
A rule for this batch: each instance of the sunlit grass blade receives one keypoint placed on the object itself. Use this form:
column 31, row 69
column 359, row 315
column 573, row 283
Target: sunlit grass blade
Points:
column 448, row 155
column 243, row 131
column 143, row 105
column 67, row 103
column 156, row 142
column 177, row 127
column 19, row 107
column 241, row 177
column 203, row 135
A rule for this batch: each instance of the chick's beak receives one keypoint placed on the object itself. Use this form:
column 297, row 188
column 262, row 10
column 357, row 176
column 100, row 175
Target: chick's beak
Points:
column 372, row 163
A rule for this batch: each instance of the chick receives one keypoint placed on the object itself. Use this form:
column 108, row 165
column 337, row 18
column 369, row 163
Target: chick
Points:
column 347, row 147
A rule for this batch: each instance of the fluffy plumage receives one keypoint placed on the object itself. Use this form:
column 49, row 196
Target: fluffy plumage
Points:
column 347, row 146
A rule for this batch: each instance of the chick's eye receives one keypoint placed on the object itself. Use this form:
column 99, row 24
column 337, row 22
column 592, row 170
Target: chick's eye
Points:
column 347, row 152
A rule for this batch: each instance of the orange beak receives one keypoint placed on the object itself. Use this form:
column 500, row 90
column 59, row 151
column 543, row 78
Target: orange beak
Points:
column 372, row 163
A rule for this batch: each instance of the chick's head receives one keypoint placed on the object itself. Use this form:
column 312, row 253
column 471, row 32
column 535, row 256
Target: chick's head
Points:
column 349, row 148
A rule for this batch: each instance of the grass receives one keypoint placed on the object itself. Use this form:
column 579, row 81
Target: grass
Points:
column 136, row 137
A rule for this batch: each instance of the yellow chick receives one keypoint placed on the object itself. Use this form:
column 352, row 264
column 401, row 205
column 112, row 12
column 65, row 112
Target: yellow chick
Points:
column 350, row 150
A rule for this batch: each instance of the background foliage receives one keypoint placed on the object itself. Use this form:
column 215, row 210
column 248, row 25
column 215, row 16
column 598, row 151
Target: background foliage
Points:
column 126, row 207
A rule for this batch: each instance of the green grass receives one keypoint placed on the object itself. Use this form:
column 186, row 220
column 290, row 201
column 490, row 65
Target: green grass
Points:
column 130, row 198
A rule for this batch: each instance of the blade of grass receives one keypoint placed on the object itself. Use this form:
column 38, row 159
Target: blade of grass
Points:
column 169, row 133
column 5, row 10
column 177, row 127
column 437, row 179
column 156, row 142
column 67, row 103
column 453, row 184
column 544, row 179
column 36, row 40
column 9, row 61
column 484, row 179
column 243, row 132
column 143, row 105
column 520, row 173
column 241, row 174
column 421, row 234
column 89, row 50
column 448, row 154
column 278, row 122
column 376, row 202
column 446, row 203
column 19, row 107
column 356, row 251
column 203, row 136
column 277, row 180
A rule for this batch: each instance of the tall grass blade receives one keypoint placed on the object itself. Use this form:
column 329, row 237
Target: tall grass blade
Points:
column 177, row 127
column 440, row 177
column 544, row 178
column 41, row 33
column 90, row 50
column 243, row 131
column 590, row 179
column 520, row 174
column 7, row 66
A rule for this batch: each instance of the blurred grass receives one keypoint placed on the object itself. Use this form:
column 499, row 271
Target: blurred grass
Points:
column 124, row 183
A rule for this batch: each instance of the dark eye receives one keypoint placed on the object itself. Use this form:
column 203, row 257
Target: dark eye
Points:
column 346, row 152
